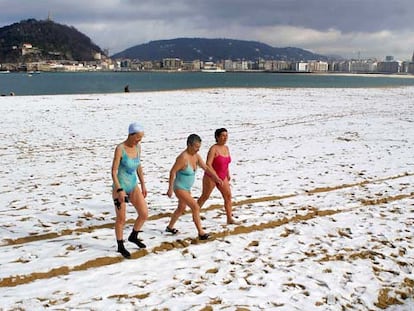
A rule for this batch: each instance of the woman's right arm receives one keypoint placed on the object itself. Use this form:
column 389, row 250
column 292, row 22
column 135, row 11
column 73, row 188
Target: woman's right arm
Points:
column 115, row 166
column 179, row 164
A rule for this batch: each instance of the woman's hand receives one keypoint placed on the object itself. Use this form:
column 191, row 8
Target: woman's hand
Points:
column 169, row 192
column 121, row 196
column 144, row 190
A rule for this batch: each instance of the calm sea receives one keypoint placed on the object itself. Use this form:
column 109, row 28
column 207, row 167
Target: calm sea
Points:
column 114, row 82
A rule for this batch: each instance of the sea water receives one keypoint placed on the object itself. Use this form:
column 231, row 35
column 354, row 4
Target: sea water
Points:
column 46, row 83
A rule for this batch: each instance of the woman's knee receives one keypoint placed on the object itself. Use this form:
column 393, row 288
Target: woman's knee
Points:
column 143, row 213
column 227, row 197
column 208, row 188
column 225, row 192
column 202, row 199
column 195, row 208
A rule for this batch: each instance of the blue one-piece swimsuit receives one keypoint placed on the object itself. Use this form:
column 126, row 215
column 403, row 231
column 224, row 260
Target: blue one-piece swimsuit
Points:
column 127, row 171
column 184, row 179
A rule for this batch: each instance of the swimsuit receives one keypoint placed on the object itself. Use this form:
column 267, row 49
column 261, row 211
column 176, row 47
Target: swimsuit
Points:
column 184, row 179
column 127, row 171
column 221, row 166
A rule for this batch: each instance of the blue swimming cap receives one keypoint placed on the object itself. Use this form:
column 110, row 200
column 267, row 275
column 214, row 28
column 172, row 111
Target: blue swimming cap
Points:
column 135, row 128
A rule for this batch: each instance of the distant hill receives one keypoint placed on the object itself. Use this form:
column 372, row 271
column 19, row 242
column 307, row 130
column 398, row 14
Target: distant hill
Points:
column 49, row 40
column 214, row 49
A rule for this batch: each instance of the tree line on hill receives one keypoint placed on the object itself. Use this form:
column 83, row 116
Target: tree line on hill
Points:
column 32, row 40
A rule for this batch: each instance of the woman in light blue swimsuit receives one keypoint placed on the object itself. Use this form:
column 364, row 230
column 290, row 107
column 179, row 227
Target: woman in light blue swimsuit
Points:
column 126, row 171
column 184, row 179
column 182, row 176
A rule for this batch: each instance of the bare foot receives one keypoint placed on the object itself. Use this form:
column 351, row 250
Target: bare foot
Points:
column 232, row 222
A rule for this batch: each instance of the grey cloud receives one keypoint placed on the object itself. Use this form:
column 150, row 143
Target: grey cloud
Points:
column 141, row 21
column 343, row 15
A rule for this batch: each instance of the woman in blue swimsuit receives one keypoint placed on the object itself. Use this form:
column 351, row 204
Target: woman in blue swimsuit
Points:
column 126, row 171
column 182, row 176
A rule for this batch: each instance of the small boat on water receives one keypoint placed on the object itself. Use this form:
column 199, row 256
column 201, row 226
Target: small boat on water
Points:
column 4, row 71
column 211, row 67
column 213, row 70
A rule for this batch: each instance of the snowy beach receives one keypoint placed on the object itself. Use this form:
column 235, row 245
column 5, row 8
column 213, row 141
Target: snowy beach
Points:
column 322, row 182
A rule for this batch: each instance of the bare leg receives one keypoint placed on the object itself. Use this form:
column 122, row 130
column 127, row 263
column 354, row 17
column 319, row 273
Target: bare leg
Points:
column 138, row 201
column 185, row 197
column 177, row 213
column 120, row 221
column 120, row 218
column 226, row 193
column 208, row 186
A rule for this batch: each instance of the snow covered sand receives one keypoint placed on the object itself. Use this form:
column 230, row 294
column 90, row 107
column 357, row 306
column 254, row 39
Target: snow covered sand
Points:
column 323, row 185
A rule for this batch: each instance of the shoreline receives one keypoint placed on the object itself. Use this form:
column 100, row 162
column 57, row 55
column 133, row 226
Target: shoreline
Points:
column 187, row 90
column 212, row 89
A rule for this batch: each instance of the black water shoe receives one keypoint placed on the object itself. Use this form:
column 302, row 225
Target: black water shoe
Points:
column 137, row 241
column 122, row 249
column 124, row 252
column 204, row 236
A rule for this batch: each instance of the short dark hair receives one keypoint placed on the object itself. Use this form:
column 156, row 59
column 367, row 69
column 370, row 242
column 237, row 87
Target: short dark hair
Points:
column 218, row 132
column 192, row 139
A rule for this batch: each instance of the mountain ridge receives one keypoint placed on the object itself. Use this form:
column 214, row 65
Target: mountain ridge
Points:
column 46, row 40
column 214, row 49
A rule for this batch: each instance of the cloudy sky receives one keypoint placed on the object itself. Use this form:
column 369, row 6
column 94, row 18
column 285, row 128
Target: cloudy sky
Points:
column 350, row 28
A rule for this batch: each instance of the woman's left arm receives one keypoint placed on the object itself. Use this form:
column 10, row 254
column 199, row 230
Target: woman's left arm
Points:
column 140, row 173
column 228, row 168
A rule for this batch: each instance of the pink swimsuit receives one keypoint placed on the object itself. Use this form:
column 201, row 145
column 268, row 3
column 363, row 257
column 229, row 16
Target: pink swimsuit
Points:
column 221, row 166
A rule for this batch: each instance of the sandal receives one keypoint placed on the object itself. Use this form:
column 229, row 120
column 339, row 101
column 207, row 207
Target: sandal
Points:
column 171, row 230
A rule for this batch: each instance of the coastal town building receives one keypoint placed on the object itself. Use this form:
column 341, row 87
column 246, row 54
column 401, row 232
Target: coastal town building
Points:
column 408, row 67
column 277, row 65
column 388, row 67
column 318, row 66
column 172, row 64
column 301, row 67
column 238, row 65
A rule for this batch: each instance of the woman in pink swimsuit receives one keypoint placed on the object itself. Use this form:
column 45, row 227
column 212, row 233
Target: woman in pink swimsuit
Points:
column 218, row 158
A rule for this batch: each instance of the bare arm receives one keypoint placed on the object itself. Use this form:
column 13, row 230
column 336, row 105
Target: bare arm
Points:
column 208, row 169
column 115, row 166
column 228, row 170
column 140, row 173
column 210, row 157
column 114, row 172
column 178, row 165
